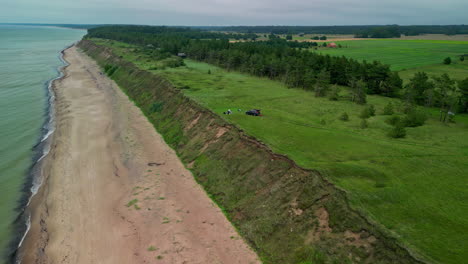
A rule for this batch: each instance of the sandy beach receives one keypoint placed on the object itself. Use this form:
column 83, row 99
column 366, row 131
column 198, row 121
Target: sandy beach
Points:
column 114, row 192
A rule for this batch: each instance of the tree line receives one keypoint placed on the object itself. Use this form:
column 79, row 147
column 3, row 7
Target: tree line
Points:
column 438, row 91
column 379, row 32
column 351, row 30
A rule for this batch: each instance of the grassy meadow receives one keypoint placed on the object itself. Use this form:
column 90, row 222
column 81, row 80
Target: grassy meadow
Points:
column 408, row 56
column 415, row 187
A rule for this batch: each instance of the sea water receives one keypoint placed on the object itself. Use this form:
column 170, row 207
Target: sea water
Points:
column 29, row 59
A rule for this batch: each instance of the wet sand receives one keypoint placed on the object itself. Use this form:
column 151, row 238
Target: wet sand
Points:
column 114, row 192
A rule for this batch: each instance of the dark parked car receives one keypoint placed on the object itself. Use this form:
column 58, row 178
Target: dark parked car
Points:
column 254, row 112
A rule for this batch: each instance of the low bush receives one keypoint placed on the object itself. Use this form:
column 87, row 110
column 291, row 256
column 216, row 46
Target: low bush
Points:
column 344, row 117
column 334, row 94
column 414, row 118
column 371, row 110
column 109, row 69
column 447, row 61
column 367, row 112
column 397, row 131
column 156, row 107
column 173, row 62
column 388, row 109
column 364, row 124
column 393, row 120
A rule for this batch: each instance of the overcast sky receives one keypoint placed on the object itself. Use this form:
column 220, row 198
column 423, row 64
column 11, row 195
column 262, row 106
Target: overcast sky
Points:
column 235, row 12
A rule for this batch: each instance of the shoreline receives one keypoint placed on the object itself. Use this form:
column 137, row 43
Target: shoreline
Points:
column 81, row 212
column 33, row 179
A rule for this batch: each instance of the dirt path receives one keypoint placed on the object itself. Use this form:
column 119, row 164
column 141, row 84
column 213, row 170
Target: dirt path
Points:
column 115, row 192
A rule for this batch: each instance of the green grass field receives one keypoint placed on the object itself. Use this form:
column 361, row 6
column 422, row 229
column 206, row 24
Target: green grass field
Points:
column 408, row 56
column 416, row 187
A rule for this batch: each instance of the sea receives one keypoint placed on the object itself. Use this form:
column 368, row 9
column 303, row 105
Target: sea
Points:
column 30, row 58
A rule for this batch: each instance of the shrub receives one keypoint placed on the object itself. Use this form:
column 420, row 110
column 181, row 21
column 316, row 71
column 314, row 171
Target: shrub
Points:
column 344, row 117
column 107, row 68
column 173, row 62
column 158, row 55
column 308, row 255
column 380, row 185
column 393, row 120
column 447, row 61
column 364, row 113
column 364, row 123
column 151, row 248
column 397, row 131
column 414, row 119
column 388, row 109
column 367, row 112
column 462, row 58
column 156, row 107
column 111, row 71
column 371, row 110
column 334, row 94
column 361, row 98
column 407, row 108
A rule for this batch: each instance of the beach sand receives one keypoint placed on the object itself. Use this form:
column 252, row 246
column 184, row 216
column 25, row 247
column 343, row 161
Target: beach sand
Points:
column 114, row 192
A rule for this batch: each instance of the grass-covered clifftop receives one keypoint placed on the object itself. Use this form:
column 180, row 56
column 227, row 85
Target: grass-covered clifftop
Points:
column 286, row 213
column 413, row 186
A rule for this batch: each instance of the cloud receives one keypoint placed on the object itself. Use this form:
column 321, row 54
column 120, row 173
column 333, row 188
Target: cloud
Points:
column 236, row 12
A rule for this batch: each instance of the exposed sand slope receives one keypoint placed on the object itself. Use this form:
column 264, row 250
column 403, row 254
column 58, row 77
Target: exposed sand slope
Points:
column 106, row 154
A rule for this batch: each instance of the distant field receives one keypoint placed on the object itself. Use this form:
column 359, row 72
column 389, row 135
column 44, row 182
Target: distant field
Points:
column 407, row 54
column 416, row 186
column 462, row 37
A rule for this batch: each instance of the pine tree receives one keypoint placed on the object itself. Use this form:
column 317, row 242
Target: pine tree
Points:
column 334, row 94
column 358, row 92
column 463, row 88
column 322, row 83
column 448, row 94
column 415, row 90
column 388, row 109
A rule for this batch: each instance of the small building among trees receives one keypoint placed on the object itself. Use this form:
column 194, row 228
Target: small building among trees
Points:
column 182, row 55
column 332, row 45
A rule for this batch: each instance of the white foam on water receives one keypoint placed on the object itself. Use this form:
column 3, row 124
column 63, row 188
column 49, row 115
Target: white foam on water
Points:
column 28, row 226
column 46, row 141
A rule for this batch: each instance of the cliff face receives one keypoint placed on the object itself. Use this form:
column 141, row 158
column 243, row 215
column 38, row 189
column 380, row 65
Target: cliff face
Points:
column 287, row 214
